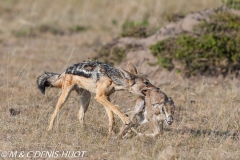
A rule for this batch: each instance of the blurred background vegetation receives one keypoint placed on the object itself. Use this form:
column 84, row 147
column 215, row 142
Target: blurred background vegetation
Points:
column 212, row 49
column 32, row 18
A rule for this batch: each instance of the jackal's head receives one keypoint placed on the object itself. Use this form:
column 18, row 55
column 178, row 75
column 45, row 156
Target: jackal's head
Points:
column 168, row 109
column 161, row 104
column 136, row 83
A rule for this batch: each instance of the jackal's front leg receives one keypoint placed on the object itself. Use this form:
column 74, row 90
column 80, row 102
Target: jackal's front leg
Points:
column 111, row 121
column 103, row 100
column 110, row 118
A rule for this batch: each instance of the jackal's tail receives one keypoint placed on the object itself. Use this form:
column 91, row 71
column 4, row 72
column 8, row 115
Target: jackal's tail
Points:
column 48, row 79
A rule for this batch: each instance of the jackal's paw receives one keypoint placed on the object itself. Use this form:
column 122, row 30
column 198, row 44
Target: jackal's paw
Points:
column 127, row 135
column 127, row 121
column 117, row 137
column 49, row 128
column 140, row 135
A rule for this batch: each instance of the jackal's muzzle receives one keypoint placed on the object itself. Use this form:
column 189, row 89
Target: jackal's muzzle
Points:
column 169, row 120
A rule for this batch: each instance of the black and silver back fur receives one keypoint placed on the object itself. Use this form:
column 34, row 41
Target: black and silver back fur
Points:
column 94, row 70
column 87, row 69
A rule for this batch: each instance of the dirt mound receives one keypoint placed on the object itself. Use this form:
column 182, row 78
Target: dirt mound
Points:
column 139, row 51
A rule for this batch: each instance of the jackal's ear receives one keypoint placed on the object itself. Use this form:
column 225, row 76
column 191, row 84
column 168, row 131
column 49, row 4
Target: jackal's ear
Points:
column 126, row 74
column 170, row 100
column 131, row 68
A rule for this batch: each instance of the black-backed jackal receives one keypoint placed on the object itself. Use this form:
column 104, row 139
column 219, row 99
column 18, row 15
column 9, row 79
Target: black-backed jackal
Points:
column 95, row 77
column 155, row 108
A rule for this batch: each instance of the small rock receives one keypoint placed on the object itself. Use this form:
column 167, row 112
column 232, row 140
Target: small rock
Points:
column 14, row 112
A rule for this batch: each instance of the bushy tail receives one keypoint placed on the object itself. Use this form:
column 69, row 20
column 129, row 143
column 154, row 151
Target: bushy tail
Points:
column 48, row 79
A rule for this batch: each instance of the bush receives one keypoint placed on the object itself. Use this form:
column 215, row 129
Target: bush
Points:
column 23, row 32
column 235, row 4
column 135, row 29
column 213, row 48
column 111, row 54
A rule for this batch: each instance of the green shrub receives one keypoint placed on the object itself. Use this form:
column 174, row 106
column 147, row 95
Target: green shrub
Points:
column 235, row 4
column 111, row 54
column 50, row 28
column 174, row 17
column 213, row 48
column 135, row 29
column 78, row 28
column 23, row 32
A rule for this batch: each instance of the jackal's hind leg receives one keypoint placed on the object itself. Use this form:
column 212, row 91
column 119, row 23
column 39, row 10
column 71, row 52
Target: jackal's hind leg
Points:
column 64, row 95
column 84, row 103
column 156, row 127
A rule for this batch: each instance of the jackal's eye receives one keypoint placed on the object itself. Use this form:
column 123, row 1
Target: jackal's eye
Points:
column 163, row 110
column 146, row 82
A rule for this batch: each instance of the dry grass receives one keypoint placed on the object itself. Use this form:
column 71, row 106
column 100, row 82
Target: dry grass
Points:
column 207, row 118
